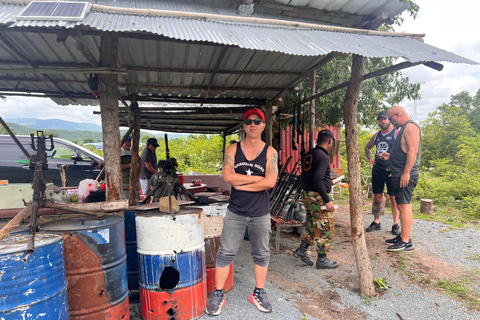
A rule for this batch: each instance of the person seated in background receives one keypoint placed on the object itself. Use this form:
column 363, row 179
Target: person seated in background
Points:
column 98, row 165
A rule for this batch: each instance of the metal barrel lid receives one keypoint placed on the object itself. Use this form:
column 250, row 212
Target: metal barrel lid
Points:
column 81, row 223
column 18, row 242
column 183, row 211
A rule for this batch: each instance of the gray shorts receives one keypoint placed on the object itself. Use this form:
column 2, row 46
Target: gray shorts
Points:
column 234, row 227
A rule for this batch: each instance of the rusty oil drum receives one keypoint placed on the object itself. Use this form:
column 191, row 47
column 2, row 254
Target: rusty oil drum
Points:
column 96, row 266
column 131, row 247
column 171, row 264
column 33, row 286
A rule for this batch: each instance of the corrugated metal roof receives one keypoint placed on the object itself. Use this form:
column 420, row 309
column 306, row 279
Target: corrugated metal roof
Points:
column 286, row 40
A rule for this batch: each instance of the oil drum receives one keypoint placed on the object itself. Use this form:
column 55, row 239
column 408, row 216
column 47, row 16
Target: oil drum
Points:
column 96, row 267
column 33, row 286
column 131, row 248
column 171, row 264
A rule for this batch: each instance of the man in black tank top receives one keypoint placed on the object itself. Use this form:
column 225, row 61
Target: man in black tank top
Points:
column 404, row 163
column 383, row 141
column 250, row 166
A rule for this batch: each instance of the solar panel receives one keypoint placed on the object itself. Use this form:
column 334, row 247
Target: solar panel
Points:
column 54, row 10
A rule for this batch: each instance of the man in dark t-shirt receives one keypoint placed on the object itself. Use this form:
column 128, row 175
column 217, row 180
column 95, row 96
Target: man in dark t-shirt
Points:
column 149, row 164
column 317, row 183
column 383, row 141
column 250, row 166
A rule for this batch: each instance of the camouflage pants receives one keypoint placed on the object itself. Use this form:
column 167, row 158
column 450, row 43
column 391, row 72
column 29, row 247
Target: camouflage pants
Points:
column 320, row 226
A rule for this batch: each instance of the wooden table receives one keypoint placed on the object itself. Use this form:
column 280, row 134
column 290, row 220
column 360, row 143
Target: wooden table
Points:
column 280, row 223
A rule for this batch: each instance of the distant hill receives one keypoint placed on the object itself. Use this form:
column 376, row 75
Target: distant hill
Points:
column 74, row 131
column 55, row 124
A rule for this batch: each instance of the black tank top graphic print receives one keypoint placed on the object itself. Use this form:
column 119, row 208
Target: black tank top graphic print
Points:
column 384, row 143
column 246, row 203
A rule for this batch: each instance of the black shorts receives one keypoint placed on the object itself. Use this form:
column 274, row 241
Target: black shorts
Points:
column 379, row 179
column 404, row 195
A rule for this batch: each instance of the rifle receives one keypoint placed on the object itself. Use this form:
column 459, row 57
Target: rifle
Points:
column 38, row 162
column 167, row 181
column 283, row 188
column 294, row 147
column 280, row 177
column 293, row 189
column 293, row 205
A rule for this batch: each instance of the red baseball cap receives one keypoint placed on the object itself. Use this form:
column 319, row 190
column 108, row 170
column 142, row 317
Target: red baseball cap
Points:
column 256, row 111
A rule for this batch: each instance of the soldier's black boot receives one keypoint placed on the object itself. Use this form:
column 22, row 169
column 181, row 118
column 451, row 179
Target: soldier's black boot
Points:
column 324, row 263
column 301, row 253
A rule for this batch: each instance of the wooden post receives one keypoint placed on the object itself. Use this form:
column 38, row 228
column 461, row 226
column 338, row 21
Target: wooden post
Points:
column 364, row 267
column 108, row 90
column 224, row 145
column 268, row 123
column 426, row 206
column 134, row 167
column 312, row 114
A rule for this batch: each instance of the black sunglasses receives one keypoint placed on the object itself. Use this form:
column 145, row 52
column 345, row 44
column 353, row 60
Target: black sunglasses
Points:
column 256, row 121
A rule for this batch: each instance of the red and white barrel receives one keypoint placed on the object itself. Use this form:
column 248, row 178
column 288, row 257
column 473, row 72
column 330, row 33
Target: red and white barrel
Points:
column 171, row 264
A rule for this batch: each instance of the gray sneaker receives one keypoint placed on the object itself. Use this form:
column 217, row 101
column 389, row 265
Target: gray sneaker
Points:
column 260, row 300
column 215, row 304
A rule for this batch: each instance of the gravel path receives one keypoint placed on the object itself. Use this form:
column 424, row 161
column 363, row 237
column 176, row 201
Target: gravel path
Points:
column 295, row 289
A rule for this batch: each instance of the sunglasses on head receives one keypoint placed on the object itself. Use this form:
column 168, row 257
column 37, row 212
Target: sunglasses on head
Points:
column 256, row 121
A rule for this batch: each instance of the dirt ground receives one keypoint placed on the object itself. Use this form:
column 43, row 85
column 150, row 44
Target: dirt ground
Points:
column 325, row 305
column 299, row 291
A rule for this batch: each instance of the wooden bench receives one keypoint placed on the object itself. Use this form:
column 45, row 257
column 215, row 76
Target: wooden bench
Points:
column 279, row 224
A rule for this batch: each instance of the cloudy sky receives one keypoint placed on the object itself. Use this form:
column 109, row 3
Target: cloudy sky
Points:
column 449, row 25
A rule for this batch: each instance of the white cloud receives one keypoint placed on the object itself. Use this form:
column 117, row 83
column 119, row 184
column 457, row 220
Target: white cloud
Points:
column 450, row 26
column 41, row 108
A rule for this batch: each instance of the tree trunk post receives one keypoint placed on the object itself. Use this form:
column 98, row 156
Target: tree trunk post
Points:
column 108, row 90
column 364, row 267
column 134, row 168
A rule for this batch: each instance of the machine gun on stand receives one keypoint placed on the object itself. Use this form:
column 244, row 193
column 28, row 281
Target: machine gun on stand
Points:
column 167, row 181
column 38, row 162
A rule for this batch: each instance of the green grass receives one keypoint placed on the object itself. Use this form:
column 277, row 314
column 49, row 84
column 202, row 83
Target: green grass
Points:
column 475, row 256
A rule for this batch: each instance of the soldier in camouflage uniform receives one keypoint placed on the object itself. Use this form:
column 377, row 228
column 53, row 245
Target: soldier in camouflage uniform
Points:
column 317, row 183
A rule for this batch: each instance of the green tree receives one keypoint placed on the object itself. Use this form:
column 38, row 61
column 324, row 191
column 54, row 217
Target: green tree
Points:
column 49, row 132
column 469, row 105
column 3, row 131
column 88, row 140
column 441, row 133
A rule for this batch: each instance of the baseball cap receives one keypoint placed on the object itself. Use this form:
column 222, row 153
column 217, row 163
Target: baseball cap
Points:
column 382, row 114
column 256, row 111
column 153, row 142
column 325, row 133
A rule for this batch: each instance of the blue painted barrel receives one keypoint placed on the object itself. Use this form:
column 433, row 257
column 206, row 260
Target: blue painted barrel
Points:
column 96, row 266
column 171, row 255
column 131, row 247
column 33, row 286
